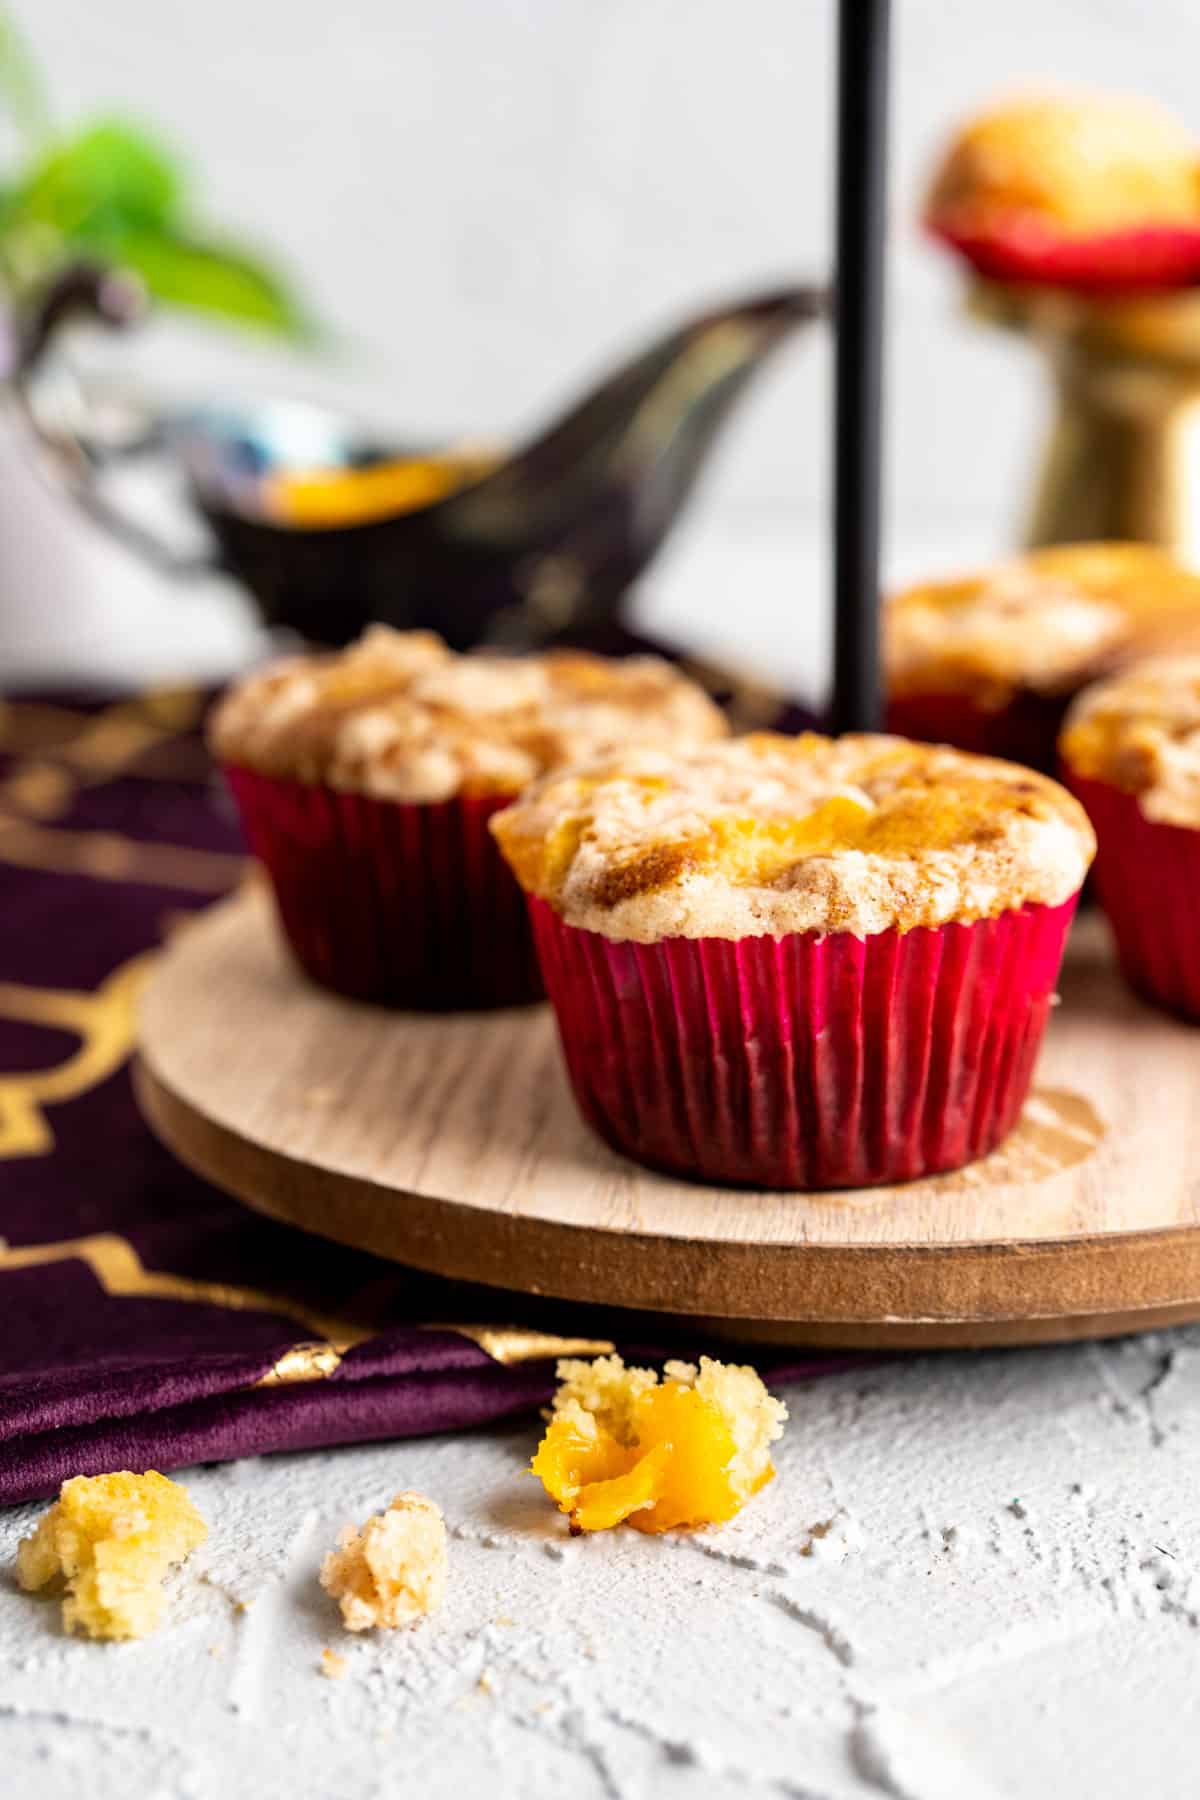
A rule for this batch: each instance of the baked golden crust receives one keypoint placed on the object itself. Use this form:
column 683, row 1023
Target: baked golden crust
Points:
column 1083, row 164
column 1045, row 622
column 400, row 716
column 767, row 835
column 1140, row 731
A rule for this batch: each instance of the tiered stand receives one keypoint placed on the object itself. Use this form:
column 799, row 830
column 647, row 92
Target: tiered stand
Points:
column 453, row 1144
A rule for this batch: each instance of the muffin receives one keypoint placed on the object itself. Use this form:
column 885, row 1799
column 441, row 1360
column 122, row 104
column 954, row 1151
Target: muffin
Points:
column 365, row 781
column 989, row 662
column 1094, row 191
column 1131, row 752
column 799, row 962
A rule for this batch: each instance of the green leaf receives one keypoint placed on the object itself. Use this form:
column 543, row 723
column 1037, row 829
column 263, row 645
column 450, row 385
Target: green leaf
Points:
column 221, row 280
column 109, row 176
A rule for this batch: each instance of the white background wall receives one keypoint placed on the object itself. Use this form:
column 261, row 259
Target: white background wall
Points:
column 492, row 197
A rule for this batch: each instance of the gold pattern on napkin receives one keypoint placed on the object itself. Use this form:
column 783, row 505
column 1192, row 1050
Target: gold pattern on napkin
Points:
column 303, row 1362
column 518, row 1344
column 104, row 1023
column 120, row 1271
column 58, row 751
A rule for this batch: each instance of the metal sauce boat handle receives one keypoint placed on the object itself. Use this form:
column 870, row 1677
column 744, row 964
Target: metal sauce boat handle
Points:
column 76, row 455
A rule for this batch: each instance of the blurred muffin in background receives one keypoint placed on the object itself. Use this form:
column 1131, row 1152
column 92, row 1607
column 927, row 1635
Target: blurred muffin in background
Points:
column 1131, row 753
column 365, row 781
column 990, row 661
column 1096, row 191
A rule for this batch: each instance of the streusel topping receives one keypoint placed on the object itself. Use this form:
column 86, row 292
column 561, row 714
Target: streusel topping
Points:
column 1140, row 730
column 767, row 835
column 1045, row 622
column 1085, row 163
column 398, row 715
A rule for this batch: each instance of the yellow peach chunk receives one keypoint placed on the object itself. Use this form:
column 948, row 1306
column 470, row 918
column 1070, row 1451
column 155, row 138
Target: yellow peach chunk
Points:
column 687, row 1451
column 603, row 1504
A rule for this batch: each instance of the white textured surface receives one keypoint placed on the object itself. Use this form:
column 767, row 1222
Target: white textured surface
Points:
column 975, row 1578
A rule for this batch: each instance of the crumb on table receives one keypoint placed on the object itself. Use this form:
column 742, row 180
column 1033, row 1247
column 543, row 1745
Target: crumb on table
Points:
column 392, row 1571
column 689, row 1450
column 111, row 1539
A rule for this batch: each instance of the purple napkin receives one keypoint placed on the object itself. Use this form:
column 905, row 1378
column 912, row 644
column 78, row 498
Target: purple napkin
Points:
column 145, row 1318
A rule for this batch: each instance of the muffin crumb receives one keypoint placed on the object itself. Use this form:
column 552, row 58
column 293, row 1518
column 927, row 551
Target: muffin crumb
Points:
column 333, row 1666
column 393, row 1571
column 111, row 1539
column 687, row 1451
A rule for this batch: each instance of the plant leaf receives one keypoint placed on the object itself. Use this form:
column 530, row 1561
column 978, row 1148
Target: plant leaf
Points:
column 222, row 280
column 107, row 177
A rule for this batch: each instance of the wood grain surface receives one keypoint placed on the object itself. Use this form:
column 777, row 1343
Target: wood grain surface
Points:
column 453, row 1144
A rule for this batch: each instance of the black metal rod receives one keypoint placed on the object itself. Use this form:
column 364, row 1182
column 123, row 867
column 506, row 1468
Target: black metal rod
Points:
column 858, row 359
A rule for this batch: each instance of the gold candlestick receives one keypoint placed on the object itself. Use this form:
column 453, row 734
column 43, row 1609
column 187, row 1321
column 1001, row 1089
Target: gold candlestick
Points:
column 1123, row 457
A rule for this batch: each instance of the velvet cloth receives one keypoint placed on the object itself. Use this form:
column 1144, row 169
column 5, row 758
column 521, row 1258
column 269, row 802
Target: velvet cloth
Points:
column 145, row 1318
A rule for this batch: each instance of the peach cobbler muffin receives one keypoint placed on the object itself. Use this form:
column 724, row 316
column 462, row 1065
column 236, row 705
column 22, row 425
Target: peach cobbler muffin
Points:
column 799, row 962
column 365, row 780
column 990, row 660
column 1081, row 190
column 1131, row 751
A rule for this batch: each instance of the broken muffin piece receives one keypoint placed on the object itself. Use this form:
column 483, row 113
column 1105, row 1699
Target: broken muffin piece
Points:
column 689, row 1450
column 112, row 1538
column 393, row 1570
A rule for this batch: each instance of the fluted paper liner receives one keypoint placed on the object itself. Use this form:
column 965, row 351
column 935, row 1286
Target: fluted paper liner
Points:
column 409, row 905
column 1137, row 258
column 1147, row 876
column 805, row 1061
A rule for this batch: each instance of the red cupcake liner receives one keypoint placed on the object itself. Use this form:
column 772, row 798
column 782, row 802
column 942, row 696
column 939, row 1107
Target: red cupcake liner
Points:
column 1024, row 730
column 408, row 905
column 1150, row 257
column 1147, row 877
column 805, row 1061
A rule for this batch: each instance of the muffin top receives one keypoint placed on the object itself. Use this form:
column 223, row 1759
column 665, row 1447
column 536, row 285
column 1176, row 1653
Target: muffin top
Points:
column 1079, row 164
column 1046, row 622
column 764, row 835
column 399, row 716
column 1140, row 730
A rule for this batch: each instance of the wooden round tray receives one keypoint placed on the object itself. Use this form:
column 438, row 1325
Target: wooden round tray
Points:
column 453, row 1144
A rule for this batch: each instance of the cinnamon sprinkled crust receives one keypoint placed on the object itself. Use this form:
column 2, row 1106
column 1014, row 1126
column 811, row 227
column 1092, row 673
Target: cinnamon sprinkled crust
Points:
column 1084, row 163
column 400, row 716
column 1140, row 731
column 1045, row 622
column 767, row 835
